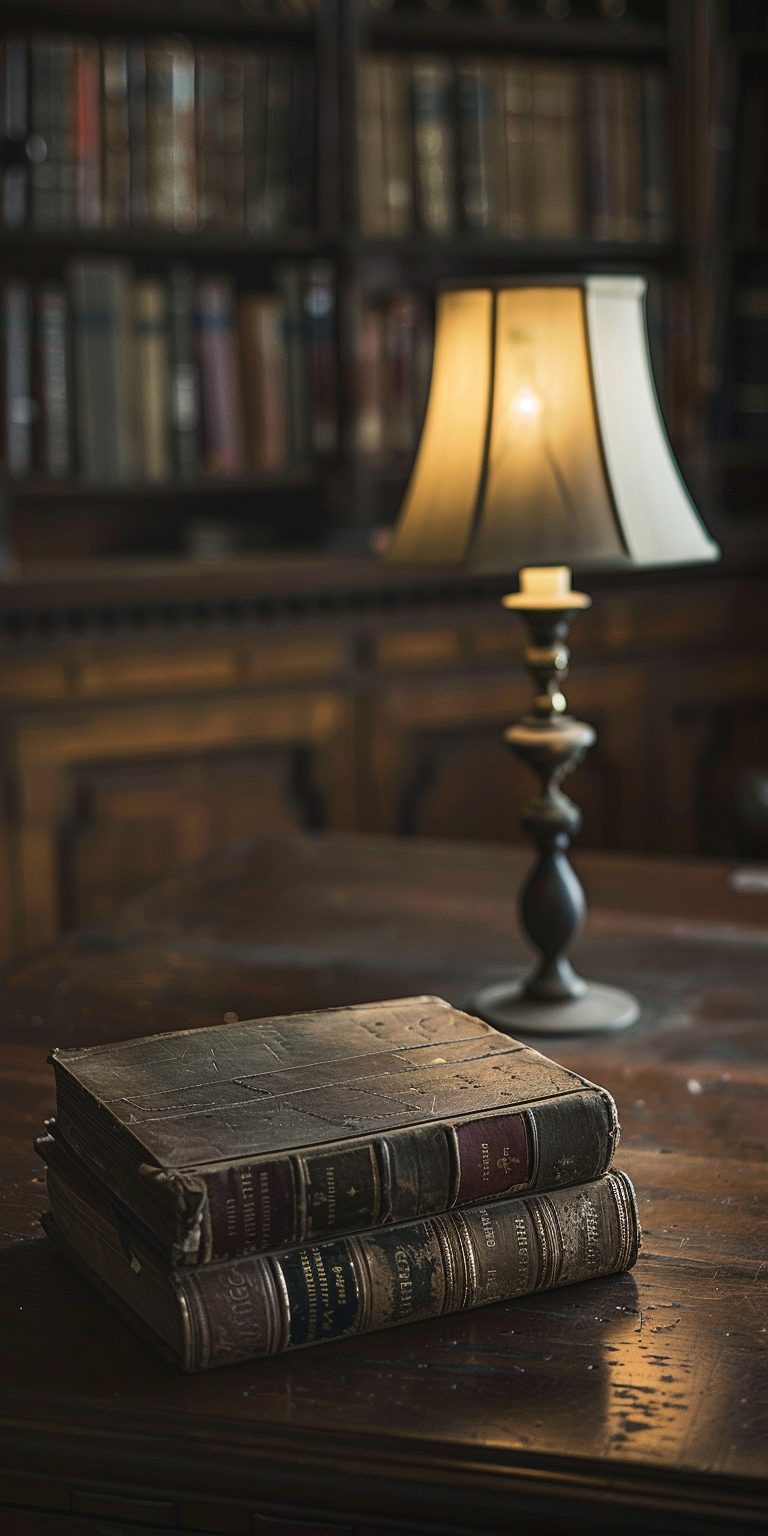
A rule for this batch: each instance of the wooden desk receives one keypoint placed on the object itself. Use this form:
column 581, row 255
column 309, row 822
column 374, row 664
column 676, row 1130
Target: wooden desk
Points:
column 635, row 1403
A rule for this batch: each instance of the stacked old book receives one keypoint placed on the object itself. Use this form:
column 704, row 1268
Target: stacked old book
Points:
column 248, row 1188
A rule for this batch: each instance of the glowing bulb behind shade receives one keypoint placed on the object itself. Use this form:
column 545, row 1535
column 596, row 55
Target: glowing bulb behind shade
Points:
column 526, row 404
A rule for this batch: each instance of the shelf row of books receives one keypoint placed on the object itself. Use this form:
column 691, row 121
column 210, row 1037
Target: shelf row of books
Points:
column 513, row 149
column 156, row 133
column 114, row 379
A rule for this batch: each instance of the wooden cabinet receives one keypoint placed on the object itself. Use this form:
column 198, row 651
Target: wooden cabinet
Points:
column 137, row 737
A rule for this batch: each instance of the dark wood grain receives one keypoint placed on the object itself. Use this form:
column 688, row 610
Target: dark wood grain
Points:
column 637, row 1403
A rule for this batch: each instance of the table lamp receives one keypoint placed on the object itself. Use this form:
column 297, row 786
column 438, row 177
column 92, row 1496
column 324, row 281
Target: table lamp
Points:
column 543, row 448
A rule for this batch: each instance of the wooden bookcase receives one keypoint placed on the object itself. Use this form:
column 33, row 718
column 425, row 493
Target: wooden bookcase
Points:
column 153, row 707
column 338, row 500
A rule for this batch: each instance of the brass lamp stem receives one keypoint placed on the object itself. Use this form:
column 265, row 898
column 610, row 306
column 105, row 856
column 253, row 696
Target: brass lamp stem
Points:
column 552, row 999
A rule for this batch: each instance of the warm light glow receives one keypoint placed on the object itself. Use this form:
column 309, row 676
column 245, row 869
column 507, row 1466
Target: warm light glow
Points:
column 543, row 441
column 526, row 404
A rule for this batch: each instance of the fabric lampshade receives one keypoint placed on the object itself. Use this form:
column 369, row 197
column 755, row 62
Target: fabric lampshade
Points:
column 543, row 441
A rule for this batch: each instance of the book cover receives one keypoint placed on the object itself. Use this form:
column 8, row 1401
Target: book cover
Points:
column 152, row 376
column 14, row 117
column 261, row 322
column 116, row 160
column 209, row 104
column 434, row 144
column 55, row 426
column 311, row 1294
column 223, row 441
column 250, row 1137
column 402, row 322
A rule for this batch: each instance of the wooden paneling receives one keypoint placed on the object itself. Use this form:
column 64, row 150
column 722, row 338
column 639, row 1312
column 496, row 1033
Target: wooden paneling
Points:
column 81, row 796
column 126, row 755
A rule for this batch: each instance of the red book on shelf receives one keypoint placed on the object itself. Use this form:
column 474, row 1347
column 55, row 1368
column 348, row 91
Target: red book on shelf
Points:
column 88, row 134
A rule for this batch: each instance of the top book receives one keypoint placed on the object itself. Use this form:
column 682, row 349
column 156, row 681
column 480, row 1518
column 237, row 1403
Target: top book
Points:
column 244, row 1138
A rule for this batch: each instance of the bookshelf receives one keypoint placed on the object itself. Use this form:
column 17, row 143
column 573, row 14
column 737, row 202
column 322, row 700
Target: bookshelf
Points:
column 710, row 57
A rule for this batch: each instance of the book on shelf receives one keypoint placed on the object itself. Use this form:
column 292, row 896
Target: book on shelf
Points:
column 514, row 148
column 244, row 1138
column 164, row 377
column 156, row 132
column 254, row 1307
column 14, row 121
column 746, row 395
column 393, row 363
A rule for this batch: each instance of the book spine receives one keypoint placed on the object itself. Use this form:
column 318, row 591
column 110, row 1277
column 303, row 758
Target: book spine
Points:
column 56, row 426
column 210, row 138
column 482, row 147
column 397, row 130
column 291, row 285
column 374, row 214
column 53, row 123
column 750, row 362
column 433, row 134
column 232, row 135
column 116, row 161
column 104, row 377
column 518, row 130
column 184, row 383
column 657, row 188
column 421, row 1269
column 265, row 380
column 600, row 128
column 171, row 158
column 627, row 164
column 219, row 373
column 277, row 149
column 88, row 136
column 556, row 153
column 19, row 406
column 370, row 420
column 152, row 372
column 254, row 139
column 400, row 329
column 137, row 131
column 302, row 167
column 320, row 308
column 14, row 176
column 407, row 1173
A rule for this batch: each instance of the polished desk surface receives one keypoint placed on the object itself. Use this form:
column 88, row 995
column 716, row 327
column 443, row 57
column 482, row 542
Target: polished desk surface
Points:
column 634, row 1403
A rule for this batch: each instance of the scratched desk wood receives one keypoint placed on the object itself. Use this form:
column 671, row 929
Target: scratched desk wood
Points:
column 636, row 1403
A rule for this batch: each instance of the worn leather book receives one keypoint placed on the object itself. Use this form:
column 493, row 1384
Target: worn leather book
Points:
column 249, row 1137
column 258, row 1306
column 153, row 396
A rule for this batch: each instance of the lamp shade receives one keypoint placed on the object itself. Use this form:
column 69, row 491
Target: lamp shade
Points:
column 543, row 442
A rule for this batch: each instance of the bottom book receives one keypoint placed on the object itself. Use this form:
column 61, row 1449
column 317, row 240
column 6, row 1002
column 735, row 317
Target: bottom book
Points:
column 257, row 1306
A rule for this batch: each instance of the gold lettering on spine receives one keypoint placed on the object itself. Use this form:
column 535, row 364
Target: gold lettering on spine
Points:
column 523, row 1255
column 309, row 1280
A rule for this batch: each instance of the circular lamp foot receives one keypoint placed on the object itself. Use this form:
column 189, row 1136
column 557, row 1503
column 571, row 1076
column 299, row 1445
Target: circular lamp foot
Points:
column 506, row 1007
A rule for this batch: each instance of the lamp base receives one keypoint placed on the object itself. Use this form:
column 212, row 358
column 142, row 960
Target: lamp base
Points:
column 506, row 1006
